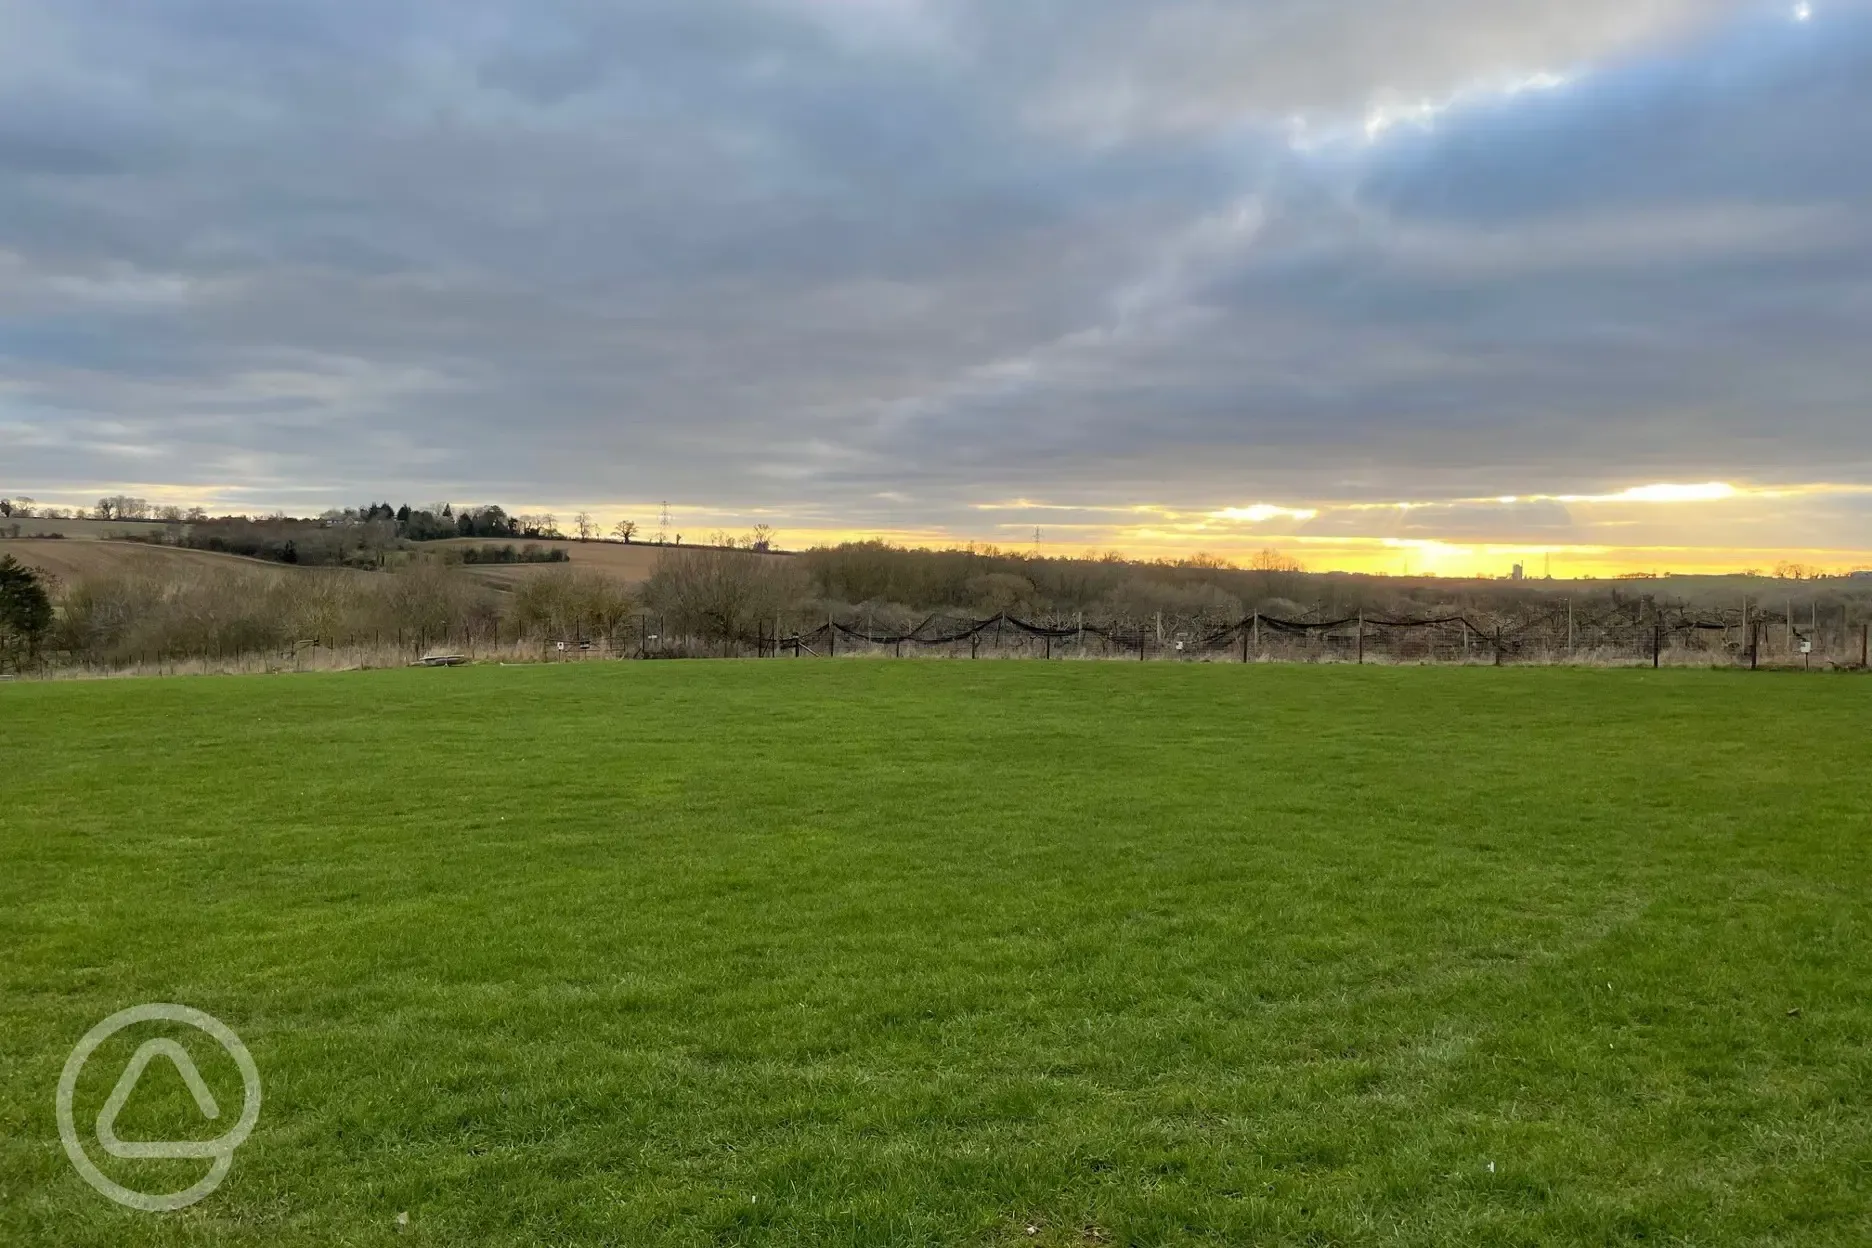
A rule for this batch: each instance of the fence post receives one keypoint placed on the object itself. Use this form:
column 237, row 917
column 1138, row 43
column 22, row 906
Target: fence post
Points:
column 1657, row 637
column 1257, row 632
column 1865, row 645
column 1361, row 637
column 1569, row 627
column 1498, row 646
column 1244, row 645
column 831, row 639
column 1754, row 645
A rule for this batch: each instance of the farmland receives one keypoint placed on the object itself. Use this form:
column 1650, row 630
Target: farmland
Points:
column 78, row 561
column 947, row 953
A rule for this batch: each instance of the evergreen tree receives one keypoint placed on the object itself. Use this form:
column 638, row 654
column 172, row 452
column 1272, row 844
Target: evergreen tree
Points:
column 25, row 607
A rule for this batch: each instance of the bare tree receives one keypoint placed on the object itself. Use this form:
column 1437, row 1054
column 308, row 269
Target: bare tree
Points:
column 585, row 526
column 567, row 605
column 624, row 530
column 761, row 537
column 1276, row 575
column 123, row 507
column 1271, row 560
column 720, row 595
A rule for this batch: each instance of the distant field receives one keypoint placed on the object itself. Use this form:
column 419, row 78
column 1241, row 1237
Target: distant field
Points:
column 83, row 556
column 85, row 530
column 76, row 560
column 631, row 563
column 947, row 953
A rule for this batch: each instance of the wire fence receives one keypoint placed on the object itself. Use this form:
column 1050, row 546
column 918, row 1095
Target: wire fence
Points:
column 1619, row 634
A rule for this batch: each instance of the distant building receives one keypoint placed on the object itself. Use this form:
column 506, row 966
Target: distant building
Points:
column 1520, row 573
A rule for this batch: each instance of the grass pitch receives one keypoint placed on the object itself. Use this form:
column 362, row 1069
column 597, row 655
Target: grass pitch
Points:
column 875, row 953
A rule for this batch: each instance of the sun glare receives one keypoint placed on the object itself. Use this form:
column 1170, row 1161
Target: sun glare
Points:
column 1708, row 492
column 1261, row 513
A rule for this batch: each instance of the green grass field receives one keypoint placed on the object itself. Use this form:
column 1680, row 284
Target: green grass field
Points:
column 949, row 953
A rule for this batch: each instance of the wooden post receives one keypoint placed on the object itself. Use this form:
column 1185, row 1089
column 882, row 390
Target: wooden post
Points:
column 831, row 639
column 1244, row 645
column 1049, row 645
column 1754, row 645
column 1569, row 626
column 1361, row 637
column 974, row 645
column 1498, row 631
column 1657, row 636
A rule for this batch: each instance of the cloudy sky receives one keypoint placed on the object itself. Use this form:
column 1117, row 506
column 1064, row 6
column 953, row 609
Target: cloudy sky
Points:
column 1433, row 285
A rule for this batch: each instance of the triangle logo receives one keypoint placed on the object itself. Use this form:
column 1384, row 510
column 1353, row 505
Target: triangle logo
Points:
column 127, row 1083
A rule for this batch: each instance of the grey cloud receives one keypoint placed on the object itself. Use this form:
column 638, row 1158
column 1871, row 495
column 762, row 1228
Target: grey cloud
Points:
column 784, row 253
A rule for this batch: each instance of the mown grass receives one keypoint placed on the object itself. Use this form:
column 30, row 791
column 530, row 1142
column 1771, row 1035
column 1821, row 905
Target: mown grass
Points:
column 946, row 953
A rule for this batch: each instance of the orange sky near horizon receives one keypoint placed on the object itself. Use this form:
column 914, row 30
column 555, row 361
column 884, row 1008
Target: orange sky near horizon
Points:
column 1704, row 528
column 1700, row 528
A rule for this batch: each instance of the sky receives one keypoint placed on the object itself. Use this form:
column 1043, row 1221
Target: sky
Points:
column 1424, row 286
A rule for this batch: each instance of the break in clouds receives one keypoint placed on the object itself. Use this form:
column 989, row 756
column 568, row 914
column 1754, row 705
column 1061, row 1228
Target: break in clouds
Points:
column 872, row 263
